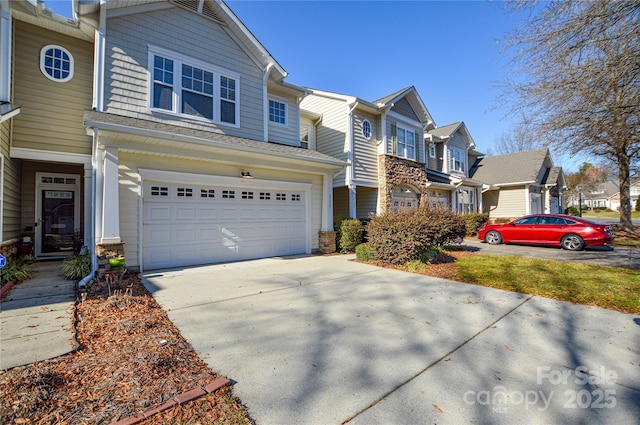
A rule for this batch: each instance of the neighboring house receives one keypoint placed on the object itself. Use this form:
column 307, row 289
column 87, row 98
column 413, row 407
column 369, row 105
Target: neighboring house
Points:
column 389, row 165
column 634, row 192
column 452, row 151
column 520, row 183
column 602, row 196
column 169, row 149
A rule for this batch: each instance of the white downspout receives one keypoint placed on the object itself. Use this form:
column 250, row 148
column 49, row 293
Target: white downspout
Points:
column 100, row 35
column 265, row 103
column 92, row 235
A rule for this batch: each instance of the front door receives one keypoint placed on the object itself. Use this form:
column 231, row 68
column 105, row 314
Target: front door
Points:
column 58, row 210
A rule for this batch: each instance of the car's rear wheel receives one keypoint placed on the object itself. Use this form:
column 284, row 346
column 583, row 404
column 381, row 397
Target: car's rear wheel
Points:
column 492, row 237
column 572, row 242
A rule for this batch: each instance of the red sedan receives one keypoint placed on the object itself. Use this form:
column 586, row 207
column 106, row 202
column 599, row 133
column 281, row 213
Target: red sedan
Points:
column 568, row 232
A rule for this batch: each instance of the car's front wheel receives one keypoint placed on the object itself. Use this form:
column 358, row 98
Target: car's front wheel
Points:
column 572, row 242
column 493, row 238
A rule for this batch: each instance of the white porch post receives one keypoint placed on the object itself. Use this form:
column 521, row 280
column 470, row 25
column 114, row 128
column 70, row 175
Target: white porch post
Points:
column 527, row 200
column 88, row 235
column 110, row 231
column 327, row 202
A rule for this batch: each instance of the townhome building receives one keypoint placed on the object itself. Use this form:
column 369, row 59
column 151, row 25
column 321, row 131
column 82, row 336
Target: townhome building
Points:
column 397, row 158
column 520, row 183
column 160, row 130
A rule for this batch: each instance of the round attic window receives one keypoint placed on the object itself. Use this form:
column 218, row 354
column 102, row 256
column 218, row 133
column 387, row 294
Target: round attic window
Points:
column 366, row 129
column 56, row 63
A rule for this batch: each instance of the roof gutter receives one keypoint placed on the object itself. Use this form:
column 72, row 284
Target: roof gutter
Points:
column 196, row 140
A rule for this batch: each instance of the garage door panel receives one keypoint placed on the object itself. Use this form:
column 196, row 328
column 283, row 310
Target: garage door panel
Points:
column 191, row 224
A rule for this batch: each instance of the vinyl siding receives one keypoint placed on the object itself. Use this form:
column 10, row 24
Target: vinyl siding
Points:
column 433, row 163
column 458, row 142
column 51, row 112
column 11, row 188
column 129, row 190
column 289, row 134
column 331, row 132
column 366, row 201
column 403, row 107
column 417, row 131
column 340, row 202
column 506, row 202
column 365, row 152
column 186, row 33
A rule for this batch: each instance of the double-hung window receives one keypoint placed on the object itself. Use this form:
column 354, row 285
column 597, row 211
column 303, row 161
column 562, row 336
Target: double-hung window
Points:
column 187, row 86
column 406, row 143
column 457, row 160
column 278, row 111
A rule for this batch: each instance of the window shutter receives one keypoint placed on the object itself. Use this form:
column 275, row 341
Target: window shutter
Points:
column 394, row 139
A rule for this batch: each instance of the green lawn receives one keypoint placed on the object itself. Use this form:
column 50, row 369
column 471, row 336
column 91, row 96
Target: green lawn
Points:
column 608, row 214
column 607, row 287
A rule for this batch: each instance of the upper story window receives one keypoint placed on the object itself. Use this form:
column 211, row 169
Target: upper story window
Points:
column 432, row 150
column 56, row 63
column 457, row 160
column 278, row 111
column 406, row 143
column 366, row 129
column 186, row 86
column 305, row 136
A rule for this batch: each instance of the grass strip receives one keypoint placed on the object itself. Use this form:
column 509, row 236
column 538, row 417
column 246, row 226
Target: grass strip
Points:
column 613, row 288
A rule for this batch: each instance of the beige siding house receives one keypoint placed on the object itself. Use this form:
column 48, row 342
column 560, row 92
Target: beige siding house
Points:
column 134, row 140
column 46, row 154
column 520, row 183
column 383, row 144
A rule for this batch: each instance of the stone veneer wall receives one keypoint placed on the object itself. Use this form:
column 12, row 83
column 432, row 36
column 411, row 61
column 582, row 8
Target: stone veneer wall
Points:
column 9, row 248
column 327, row 242
column 395, row 171
column 104, row 251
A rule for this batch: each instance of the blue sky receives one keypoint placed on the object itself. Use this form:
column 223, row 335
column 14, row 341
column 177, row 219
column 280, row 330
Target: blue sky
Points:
column 449, row 50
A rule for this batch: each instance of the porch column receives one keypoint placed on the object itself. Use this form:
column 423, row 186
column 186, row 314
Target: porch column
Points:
column 110, row 232
column 327, row 202
column 527, row 200
column 89, row 237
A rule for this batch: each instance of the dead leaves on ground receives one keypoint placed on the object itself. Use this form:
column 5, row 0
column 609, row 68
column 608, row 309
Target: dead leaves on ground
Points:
column 131, row 358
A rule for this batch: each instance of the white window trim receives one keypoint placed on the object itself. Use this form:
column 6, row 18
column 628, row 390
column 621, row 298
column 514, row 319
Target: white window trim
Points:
column 370, row 129
column 452, row 160
column 286, row 110
column 406, row 130
column 43, row 51
column 178, row 60
column 432, row 150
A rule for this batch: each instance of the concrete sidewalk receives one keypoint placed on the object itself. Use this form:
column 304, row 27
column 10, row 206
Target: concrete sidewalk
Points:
column 324, row 340
column 36, row 318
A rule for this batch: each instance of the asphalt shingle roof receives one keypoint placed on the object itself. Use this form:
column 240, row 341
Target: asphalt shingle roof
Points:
column 445, row 130
column 510, row 168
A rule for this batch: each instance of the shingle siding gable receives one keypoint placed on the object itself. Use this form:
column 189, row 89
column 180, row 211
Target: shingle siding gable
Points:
column 183, row 32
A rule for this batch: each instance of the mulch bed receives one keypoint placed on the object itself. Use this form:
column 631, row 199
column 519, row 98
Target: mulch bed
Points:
column 442, row 266
column 131, row 358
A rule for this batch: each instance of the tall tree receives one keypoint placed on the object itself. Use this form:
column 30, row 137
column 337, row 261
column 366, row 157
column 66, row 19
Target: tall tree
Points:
column 578, row 66
column 518, row 138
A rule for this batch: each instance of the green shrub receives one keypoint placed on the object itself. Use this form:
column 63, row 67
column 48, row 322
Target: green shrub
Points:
column 76, row 266
column 363, row 252
column 474, row 221
column 416, row 266
column 17, row 270
column 351, row 231
column 572, row 210
column 638, row 203
column 399, row 237
column 502, row 220
column 431, row 252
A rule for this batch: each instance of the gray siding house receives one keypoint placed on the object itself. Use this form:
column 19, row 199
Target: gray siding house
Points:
column 145, row 142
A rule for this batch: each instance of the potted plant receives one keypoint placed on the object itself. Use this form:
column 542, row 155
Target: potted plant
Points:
column 25, row 246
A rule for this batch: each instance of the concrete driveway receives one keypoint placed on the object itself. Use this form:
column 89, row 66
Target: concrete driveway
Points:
column 326, row 340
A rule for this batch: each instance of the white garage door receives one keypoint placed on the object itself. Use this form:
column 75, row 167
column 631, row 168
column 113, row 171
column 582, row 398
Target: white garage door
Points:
column 201, row 224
